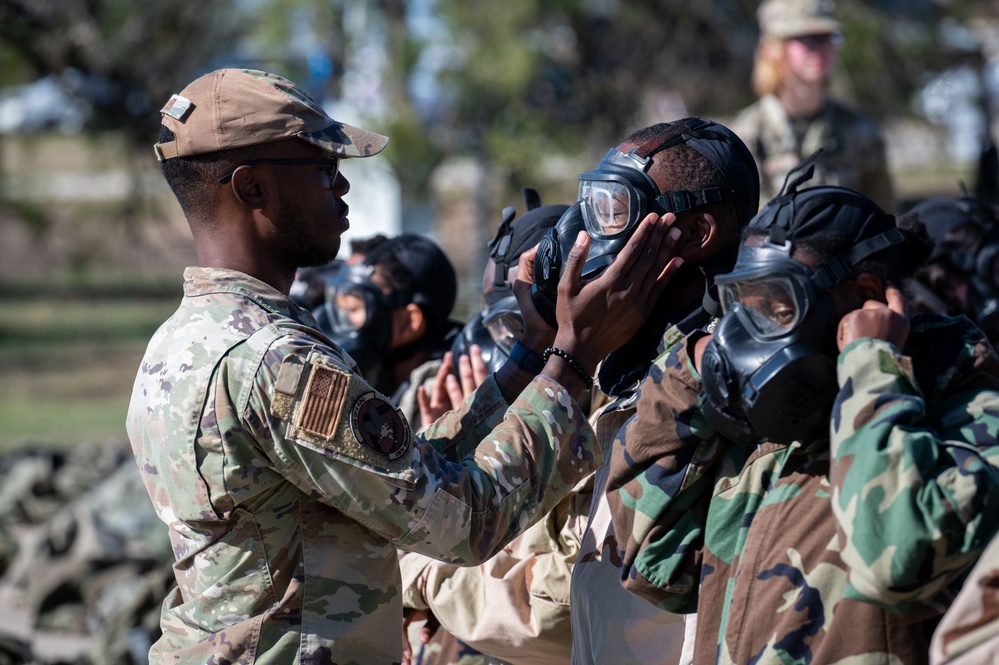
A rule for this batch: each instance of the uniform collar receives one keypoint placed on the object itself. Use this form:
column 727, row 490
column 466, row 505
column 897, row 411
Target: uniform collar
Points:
column 199, row 281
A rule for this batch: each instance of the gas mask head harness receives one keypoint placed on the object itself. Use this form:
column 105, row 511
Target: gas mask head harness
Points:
column 620, row 193
column 499, row 323
column 971, row 258
column 769, row 370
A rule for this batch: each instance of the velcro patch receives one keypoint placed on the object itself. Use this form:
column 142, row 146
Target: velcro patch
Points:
column 322, row 402
column 378, row 425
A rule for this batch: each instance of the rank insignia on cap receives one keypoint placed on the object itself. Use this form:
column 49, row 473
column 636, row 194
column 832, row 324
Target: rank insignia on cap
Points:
column 377, row 425
column 177, row 107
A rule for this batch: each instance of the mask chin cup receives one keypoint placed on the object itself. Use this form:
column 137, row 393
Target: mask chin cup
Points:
column 782, row 396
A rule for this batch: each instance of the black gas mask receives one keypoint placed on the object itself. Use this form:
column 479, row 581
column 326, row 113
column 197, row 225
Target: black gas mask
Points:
column 616, row 196
column 357, row 315
column 499, row 324
column 769, row 371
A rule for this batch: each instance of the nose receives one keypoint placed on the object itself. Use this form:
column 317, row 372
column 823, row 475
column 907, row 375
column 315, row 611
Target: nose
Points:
column 341, row 185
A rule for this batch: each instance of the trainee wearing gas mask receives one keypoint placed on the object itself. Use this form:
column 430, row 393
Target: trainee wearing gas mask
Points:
column 613, row 199
column 769, row 371
column 966, row 257
column 357, row 315
column 619, row 194
column 499, row 323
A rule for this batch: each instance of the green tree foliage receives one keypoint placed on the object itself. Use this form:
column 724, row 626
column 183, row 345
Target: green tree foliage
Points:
column 133, row 53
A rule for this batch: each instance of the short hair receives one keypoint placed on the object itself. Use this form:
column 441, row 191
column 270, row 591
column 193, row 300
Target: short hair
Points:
column 681, row 167
column 194, row 180
column 364, row 246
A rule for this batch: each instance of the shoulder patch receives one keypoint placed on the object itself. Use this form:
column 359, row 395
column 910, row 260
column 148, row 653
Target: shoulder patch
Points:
column 378, row 425
column 323, row 401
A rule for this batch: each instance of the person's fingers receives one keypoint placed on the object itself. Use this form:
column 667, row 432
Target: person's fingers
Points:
column 428, row 631
column 454, row 392
column 896, row 300
column 479, row 369
column 440, row 381
column 423, row 400
column 872, row 304
column 525, row 267
column 574, row 265
column 661, row 283
column 465, row 373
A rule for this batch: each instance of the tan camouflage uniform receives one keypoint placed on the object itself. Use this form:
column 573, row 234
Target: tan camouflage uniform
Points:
column 854, row 153
column 834, row 552
column 288, row 483
column 969, row 631
column 516, row 606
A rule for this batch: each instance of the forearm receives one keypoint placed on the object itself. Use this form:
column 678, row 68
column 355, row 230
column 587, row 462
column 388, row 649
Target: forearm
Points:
column 915, row 498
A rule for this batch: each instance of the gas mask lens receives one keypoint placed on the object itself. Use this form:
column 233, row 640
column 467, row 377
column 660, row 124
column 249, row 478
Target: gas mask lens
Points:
column 504, row 322
column 606, row 206
column 770, row 303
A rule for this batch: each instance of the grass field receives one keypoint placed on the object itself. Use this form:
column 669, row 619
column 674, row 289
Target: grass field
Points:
column 67, row 361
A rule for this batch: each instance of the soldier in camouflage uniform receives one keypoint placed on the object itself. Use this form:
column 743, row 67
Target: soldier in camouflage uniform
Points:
column 813, row 545
column 517, row 604
column 286, row 481
column 794, row 116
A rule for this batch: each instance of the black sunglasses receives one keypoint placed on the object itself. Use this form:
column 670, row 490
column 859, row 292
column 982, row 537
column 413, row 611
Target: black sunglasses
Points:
column 332, row 166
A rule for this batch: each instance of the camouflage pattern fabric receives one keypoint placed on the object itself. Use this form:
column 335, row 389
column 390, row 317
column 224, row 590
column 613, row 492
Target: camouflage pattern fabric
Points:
column 854, row 153
column 288, row 482
column 515, row 606
column 969, row 631
column 831, row 552
column 92, row 559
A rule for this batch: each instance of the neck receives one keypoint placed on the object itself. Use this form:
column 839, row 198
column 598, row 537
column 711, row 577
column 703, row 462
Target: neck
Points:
column 404, row 368
column 800, row 99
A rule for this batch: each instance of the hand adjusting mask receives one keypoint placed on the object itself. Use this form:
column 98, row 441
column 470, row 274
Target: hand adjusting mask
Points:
column 769, row 371
column 619, row 194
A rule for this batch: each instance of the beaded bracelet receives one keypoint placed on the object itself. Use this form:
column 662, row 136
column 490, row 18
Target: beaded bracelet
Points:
column 573, row 363
column 526, row 359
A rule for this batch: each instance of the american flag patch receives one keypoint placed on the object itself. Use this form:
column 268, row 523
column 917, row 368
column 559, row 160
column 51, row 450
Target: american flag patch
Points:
column 323, row 401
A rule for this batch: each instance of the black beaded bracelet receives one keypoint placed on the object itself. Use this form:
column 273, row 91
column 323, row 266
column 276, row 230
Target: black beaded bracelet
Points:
column 526, row 359
column 573, row 363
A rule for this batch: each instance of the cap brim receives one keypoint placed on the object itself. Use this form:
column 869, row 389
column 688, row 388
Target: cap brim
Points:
column 817, row 26
column 346, row 140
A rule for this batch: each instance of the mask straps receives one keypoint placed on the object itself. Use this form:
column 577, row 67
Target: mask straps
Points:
column 834, row 270
column 805, row 171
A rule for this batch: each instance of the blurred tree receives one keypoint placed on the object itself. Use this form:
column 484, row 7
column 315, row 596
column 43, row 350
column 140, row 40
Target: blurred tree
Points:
column 127, row 57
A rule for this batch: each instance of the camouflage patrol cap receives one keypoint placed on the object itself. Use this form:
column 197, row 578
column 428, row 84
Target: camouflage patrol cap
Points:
column 236, row 108
column 792, row 18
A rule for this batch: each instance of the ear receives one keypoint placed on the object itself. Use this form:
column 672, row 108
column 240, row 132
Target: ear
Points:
column 408, row 325
column 250, row 186
column 870, row 287
column 699, row 238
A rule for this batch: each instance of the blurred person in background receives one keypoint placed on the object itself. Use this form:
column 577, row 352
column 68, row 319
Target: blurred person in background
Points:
column 309, row 288
column 391, row 312
column 795, row 116
column 962, row 274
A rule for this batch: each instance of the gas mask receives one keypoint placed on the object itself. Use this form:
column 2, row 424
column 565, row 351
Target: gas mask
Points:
column 769, row 371
column 357, row 315
column 616, row 196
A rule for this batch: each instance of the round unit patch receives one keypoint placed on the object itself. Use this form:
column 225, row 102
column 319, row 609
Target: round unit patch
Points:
column 377, row 425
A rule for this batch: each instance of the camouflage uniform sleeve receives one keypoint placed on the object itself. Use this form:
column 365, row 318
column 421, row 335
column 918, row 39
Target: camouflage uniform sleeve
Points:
column 327, row 431
column 657, row 491
column 915, row 495
column 515, row 606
